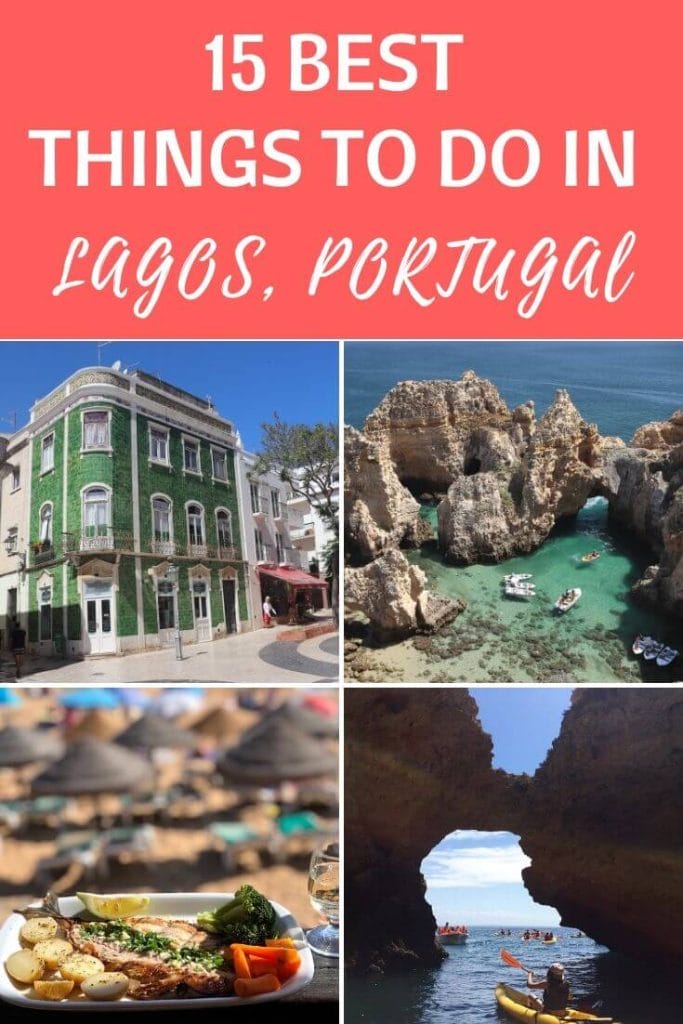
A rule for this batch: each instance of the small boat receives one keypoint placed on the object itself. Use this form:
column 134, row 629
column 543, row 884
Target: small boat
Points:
column 517, row 591
column 522, row 1007
column 568, row 599
column 517, row 577
column 654, row 650
column 452, row 936
column 592, row 556
column 550, row 942
column 641, row 643
column 666, row 656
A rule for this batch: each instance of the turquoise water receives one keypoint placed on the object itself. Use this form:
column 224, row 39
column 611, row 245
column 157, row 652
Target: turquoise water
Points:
column 617, row 385
column 461, row 991
column 512, row 640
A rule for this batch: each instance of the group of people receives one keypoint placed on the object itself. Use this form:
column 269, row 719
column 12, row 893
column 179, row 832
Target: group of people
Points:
column 536, row 934
column 449, row 929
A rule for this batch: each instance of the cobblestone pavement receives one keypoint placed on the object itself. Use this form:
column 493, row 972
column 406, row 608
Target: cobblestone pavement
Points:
column 252, row 658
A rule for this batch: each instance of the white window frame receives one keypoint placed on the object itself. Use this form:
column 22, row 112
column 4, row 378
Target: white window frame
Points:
column 13, row 534
column 171, row 538
column 94, row 486
column 43, row 468
column 279, row 548
column 187, row 439
column 224, row 455
column 16, row 479
column 255, row 491
column 48, row 539
column 228, row 514
column 85, row 449
column 157, row 428
column 41, row 586
column 260, row 544
column 275, row 503
column 190, row 542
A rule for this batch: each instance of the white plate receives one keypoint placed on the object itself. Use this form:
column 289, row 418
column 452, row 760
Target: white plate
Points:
column 181, row 905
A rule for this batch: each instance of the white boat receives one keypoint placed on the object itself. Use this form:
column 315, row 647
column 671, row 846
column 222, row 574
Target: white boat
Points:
column 517, row 591
column 666, row 656
column 654, row 650
column 641, row 643
column 568, row 599
column 517, row 577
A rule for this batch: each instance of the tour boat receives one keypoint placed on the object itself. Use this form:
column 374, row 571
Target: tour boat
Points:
column 568, row 599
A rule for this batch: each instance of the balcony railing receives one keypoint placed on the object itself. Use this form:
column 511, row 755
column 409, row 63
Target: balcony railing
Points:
column 112, row 540
column 173, row 548
column 102, row 540
column 43, row 551
column 268, row 555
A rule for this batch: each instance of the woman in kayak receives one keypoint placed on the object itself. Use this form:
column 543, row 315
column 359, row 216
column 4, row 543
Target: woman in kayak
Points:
column 556, row 994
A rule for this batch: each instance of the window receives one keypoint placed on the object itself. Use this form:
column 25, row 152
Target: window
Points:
column 47, row 453
column 255, row 498
column 45, row 613
column 224, row 528
column 13, row 538
column 16, row 478
column 166, row 604
column 220, row 465
column 191, row 456
column 46, row 524
column 161, row 520
column 158, row 445
column 95, row 430
column 195, row 525
column 200, row 599
column 260, row 546
column 275, row 503
column 96, row 512
column 279, row 548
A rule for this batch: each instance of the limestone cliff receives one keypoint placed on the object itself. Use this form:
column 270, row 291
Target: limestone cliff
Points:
column 601, row 819
column 393, row 595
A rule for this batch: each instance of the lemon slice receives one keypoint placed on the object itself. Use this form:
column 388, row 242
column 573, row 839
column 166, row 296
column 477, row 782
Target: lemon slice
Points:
column 109, row 907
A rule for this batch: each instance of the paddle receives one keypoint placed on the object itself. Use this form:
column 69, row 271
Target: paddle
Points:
column 512, row 961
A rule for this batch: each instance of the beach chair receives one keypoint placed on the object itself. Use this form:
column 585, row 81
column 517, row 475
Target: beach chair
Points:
column 303, row 829
column 73, row 848
column 233, row 838
column 126, row 844
column 45, row 810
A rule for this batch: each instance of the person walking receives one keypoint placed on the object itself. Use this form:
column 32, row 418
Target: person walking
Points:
column 17, row 641
column 269, row 613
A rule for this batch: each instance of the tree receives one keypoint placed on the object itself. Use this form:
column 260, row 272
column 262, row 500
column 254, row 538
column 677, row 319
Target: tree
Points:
column 306, row 458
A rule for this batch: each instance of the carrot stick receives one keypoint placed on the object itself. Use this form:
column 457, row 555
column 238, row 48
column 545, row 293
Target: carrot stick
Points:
column 276, row 954
column 286, row 942
column 245, row 987
column 240, row 962
column 260, row 967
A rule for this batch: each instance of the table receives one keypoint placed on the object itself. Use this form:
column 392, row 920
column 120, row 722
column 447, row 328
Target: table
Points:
column 318, row 1002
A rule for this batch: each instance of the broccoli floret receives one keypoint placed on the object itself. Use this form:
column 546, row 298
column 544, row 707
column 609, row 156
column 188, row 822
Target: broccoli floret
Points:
column 248, row 918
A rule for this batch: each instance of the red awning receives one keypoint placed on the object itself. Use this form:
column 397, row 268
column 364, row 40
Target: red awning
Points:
column 294, row 577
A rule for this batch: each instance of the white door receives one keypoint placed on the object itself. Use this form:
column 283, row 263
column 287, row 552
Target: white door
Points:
column 167, row 611
column 202, row 611
column 100, row 635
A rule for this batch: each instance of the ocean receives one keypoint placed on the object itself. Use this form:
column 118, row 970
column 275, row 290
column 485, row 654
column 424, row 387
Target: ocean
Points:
column 461, row 991
column 618, row 386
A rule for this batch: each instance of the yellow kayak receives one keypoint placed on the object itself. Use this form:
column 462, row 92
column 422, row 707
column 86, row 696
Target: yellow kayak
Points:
column 520, row 1006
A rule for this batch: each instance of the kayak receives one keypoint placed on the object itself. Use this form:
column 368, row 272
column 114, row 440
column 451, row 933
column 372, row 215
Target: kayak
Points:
column 520, row 1006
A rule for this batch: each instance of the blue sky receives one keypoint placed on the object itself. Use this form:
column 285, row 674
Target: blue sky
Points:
column 248, row 381
column 475, row 878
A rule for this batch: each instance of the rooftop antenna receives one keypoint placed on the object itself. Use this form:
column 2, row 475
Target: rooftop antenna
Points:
column 209, row 399
column 100, row 346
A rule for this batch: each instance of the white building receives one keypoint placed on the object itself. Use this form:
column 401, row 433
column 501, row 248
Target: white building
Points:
column 15, row 482
column 281, row 531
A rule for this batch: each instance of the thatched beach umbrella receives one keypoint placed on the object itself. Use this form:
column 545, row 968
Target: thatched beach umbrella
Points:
column 91, row 766
column 19, row 746
column 99, row 724
column 223, row 724
column 276, row 752
column 303, row 718
column 152, row 732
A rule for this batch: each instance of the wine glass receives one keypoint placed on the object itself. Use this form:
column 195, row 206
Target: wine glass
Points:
column 323, row 892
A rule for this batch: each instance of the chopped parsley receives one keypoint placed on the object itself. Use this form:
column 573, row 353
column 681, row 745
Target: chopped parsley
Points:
column 152, row 944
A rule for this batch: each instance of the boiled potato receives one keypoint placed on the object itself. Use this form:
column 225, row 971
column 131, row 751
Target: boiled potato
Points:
column 53, row 951
column 79, row 966
column 107, row 986
column 24, row 966
column 53, row 990
column 37, row 929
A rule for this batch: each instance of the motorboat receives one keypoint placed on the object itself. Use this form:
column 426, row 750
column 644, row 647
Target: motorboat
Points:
column 654, row 650
column 517, row 577
column 666, row 656
column 517, row 590
column 568, row 599
column 592, row 556
column 641, row 643
column 452, row 936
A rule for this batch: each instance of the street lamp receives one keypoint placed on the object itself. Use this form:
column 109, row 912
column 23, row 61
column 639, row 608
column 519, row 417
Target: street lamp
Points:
column 172, row 575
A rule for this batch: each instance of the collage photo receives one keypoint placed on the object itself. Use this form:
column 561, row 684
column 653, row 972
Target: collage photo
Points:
column 346, row 675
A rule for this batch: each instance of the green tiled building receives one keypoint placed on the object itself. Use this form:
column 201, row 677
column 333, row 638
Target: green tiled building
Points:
column 134, row 525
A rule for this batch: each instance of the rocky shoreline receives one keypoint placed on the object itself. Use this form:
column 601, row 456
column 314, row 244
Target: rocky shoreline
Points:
column 503, row 481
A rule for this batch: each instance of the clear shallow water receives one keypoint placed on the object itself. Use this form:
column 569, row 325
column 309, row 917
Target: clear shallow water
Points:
column 461, row 991
column 617, row 385
column 515, row 640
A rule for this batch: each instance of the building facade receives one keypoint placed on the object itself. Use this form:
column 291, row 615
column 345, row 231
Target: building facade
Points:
column 132, row 521
column 14, row 487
